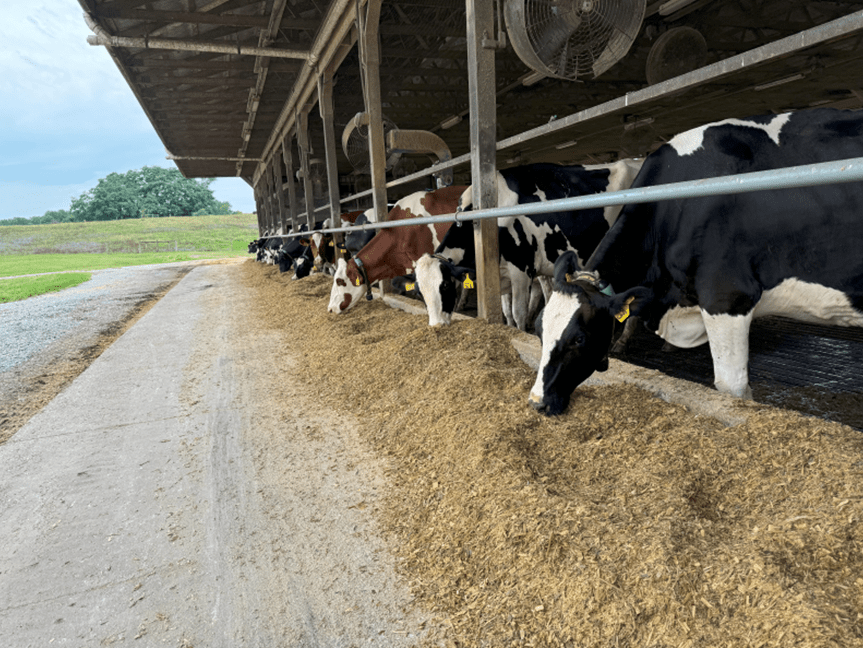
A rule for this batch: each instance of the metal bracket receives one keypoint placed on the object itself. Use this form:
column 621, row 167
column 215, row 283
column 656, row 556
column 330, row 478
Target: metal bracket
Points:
column 499, row 43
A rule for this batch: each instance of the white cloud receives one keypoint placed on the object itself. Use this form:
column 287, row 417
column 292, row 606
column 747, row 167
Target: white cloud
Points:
column 52, row 80
column 67, row 115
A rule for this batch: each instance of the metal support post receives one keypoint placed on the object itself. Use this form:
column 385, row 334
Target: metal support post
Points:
column 288, row 158
column 265, row 205
column 271, row 199
column 325, row 106
column 258, row 212
column 481, row 93
column 370, row 57
column 280, row 194
column 303, row 145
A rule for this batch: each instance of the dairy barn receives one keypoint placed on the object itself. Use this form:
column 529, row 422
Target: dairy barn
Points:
column 440, row 436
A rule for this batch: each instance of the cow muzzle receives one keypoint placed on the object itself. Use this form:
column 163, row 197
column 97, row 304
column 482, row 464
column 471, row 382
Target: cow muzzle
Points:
column 537, row 402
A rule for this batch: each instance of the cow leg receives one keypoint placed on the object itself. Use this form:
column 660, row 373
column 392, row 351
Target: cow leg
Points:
column 521, row 292
column 534, row 300
column 729, row 339
column 620, row 345
column 506, row 306
column 463, row 297
column 547, row 286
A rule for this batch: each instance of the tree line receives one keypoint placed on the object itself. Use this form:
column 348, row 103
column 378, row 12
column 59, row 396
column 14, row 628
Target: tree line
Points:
column 149, row 192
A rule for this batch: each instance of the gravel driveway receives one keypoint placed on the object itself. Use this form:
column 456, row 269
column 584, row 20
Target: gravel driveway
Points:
column 48, row 340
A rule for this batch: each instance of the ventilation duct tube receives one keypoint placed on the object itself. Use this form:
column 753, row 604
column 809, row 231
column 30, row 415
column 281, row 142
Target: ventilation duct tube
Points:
column 417, row 142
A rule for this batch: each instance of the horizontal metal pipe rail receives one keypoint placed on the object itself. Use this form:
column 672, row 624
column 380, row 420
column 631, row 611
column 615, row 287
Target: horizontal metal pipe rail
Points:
column 808, row 175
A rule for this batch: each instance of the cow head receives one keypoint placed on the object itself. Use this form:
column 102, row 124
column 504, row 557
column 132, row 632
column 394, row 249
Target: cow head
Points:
column 576, row 329
column 357, row 240
column 438, row 281
column 321, row 246
column 348, row 286
column 285, row 260
column 302, row 267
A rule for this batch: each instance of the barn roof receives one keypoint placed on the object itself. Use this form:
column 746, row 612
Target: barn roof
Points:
column 222, row 81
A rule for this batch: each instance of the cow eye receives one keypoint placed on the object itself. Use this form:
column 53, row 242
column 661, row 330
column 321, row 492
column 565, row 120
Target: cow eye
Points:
column 578, row 339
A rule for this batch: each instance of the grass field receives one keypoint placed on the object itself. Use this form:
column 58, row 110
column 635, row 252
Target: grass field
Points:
column 13, row 266
column 65, row 247
column 24, row 287
column 224, row 234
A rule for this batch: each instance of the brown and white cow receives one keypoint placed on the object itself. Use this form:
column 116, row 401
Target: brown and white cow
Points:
column 392, row 252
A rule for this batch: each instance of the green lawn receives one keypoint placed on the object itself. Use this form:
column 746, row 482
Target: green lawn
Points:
column 24, row 287
column 65, row 247
column 11, row 266
column 136, row 235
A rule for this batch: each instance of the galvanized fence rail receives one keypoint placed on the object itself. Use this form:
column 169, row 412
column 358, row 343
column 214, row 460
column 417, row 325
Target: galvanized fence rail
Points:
column 808, row 175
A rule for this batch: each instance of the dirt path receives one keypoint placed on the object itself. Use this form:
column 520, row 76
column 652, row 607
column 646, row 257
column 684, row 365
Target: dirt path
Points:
column 184, row 490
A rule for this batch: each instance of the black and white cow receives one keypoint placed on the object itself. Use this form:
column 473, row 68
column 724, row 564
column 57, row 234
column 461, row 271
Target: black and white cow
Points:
column 700, row 269
column 302, row 263
column 267, row 250
column 528, row 245
column 357, row 240
column 284, row 252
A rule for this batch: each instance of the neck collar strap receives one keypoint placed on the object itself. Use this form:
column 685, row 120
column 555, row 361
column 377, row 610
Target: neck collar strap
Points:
column 592, row 278
column 362, row 269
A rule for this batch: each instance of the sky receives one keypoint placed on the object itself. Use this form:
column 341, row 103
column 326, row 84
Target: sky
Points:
column 67, row 115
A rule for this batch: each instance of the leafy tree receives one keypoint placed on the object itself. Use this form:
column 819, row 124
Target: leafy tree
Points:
column 18, row 220
column 220, row 209
column 146, row 192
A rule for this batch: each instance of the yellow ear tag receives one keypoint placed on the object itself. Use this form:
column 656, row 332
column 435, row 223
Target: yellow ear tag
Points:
column 409, row 286
column 332, row 244
column 468, row 283
column 624, row 313
column 357, row 281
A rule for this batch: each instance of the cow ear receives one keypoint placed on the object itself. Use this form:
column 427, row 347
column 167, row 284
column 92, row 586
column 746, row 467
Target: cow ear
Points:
column 630, row 302
column 566, row 264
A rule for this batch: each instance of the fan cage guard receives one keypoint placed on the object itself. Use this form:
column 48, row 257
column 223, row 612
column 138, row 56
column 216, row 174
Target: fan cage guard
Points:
column 356, row 146
column 570, row 39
